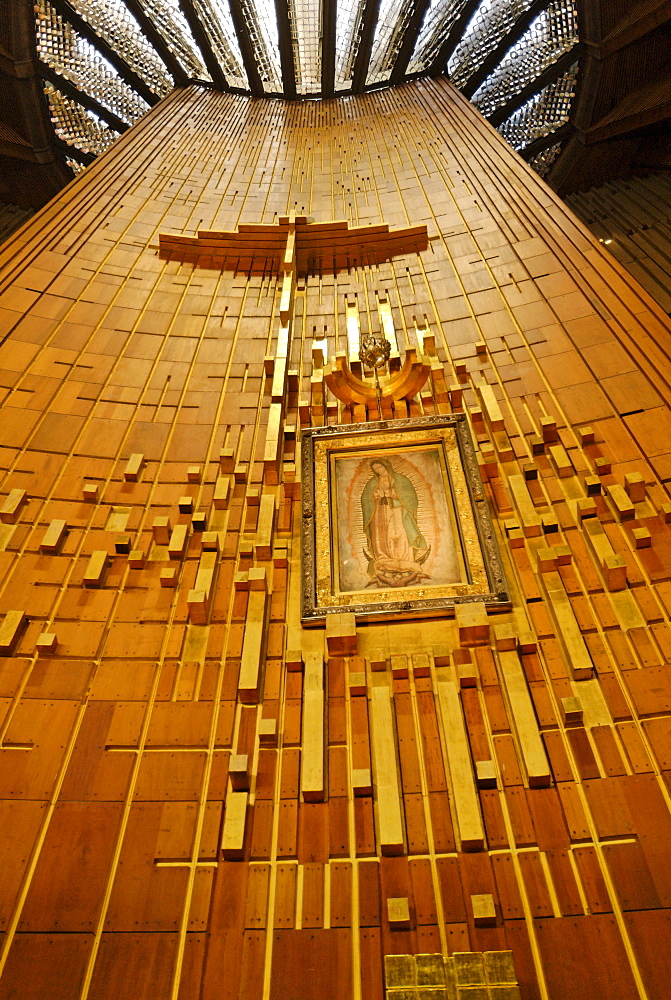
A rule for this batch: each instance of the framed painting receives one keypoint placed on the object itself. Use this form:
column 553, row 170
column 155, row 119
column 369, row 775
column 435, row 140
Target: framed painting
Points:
column 395, row 521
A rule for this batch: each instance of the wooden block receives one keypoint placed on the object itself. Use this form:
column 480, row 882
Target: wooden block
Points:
column 573, row 645
column 505, row 636
column 377, row 660
column 136, row 558
column 54, row 535
column 398, row 913
column 642, row 538
column 442, row 656
column 614, row 570
column 185, row 505
column 485, row 773
column 133, row 468
column 469, row 968
column 399, row 666
column 430, row 971
column 527, row 643
column 357, row 683
column 665, row 511
column 240, row 472
column 548, row 429
column 235, row 818
column 11, row 508
column 472, row 624
column 10, row 630
column 122, row 545
column 571, row 709
column 209, row 541
column 623, row 504
column 530, row 470
column 178, row 540
column 46, row 643
column 193, row 474
column 531, row 523
column 634, row 485
column 499, row 968
column 226, row 460
column 341, row 637
column 399, row 971
column 592, row 486
column 531, row 745
column 586, row 507
column 238, row 772
column 293, row 659
column 253, row 496
column 313, row 782
column 561, row 460
column 468, row 675
column 564, row 555
column 268, row 732
column 362, row 782
column 199, row 521
column 546, row 559
column 385, row 772
column 160, row 530
column 537, row 445
column 586, row 435
column 257, row 579
column 95, row 571
column 484, row 910
column 90, row 491
column 221, row 496
column 265, row 527
column 549, row 524
column 421, row 665
column 168, row 577
column 249, row 679
column 602, row 466
column 466, row 802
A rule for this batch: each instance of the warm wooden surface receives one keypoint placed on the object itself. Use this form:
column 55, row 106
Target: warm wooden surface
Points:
column 115, row 802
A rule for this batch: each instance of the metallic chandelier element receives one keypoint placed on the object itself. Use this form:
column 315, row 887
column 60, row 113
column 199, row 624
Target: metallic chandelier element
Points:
column 105, row 62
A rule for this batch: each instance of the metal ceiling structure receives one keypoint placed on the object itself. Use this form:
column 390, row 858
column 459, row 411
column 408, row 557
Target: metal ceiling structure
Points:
column 105, row 62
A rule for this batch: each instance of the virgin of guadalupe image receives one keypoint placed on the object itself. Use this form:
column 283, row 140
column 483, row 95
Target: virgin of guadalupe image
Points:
column 396, row 548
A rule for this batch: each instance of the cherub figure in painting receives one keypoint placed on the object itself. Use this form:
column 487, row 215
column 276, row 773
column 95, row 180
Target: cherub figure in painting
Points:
column 396, row 548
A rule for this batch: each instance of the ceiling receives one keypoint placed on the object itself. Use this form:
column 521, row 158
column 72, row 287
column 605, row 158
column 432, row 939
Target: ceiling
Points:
column 75, row 74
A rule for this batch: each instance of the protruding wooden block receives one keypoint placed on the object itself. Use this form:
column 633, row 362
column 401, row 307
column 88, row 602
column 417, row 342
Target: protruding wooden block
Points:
column 564, row 555
column 571, row 709
column 399, row 971
column 209, row 541
column 468, row 675
column 533, row 751
column 530, row 470
column 257, row 578
column 160, row 529
column 226, row 460
column 472, row 624
column 168, row 577
column 548, row 429
column 122, row 544
column 357, row 683
column 245, row 550
column 527, row 643
column 586, row 508
column 240, row 472
column 499, row 968
column 469, row 968
column 196, row 602
column 623, row 504
column 199, row 521
column 562, row 462
column 193, row 474
column 238, row 772
column 634, row 484
column 642, row 538
column 430, row 971
column 222, row 490
column 133, row 468
column 362, row 782
column 54, row 535
column 136, row 558
column 586, row 435
column 46, row 643
column 485, row 773
column 253, row 496
column 377, row 660
column 484, row 910
column 235, row 818
column 537, row 445
column 95, row 571
column 615, row 572
column 185, row 505
column 549, row 524
column 602, row 466
column 268, row 732
column 10, row 630
column 178, row 540
column 11, row 508
column 280, row 555
column 313, row 785
column 90, row 492
column 505, row 636
column 442, row 656
column 398, row 913
column 665, row 511
column 546, row 559
column 399, row 666
column 341, row 637
column 421, row 664
column 592, row 486
column 241, row 581
column 293, row 659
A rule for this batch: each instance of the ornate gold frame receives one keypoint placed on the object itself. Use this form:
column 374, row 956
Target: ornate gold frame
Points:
column 483, row 572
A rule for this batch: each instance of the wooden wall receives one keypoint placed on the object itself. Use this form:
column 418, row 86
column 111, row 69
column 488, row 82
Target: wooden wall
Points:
column 115, row 746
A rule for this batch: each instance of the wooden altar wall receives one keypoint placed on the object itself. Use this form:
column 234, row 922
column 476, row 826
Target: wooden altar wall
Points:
column 114, row 794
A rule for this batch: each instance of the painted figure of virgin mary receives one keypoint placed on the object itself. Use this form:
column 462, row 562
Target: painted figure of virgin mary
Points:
column 396, row 548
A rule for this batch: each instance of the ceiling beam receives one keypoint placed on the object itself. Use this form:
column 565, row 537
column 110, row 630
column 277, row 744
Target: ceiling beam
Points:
column 158, row 42
column 409, row 41
column 547, row 77
column 329, row 10
column 362, row 61
column 453, row 37
column 69, row 89
column 203, row 42
column 246, row 48
column 286, row 49
column 509, row 39
column 68, row 13
column 559, row 135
